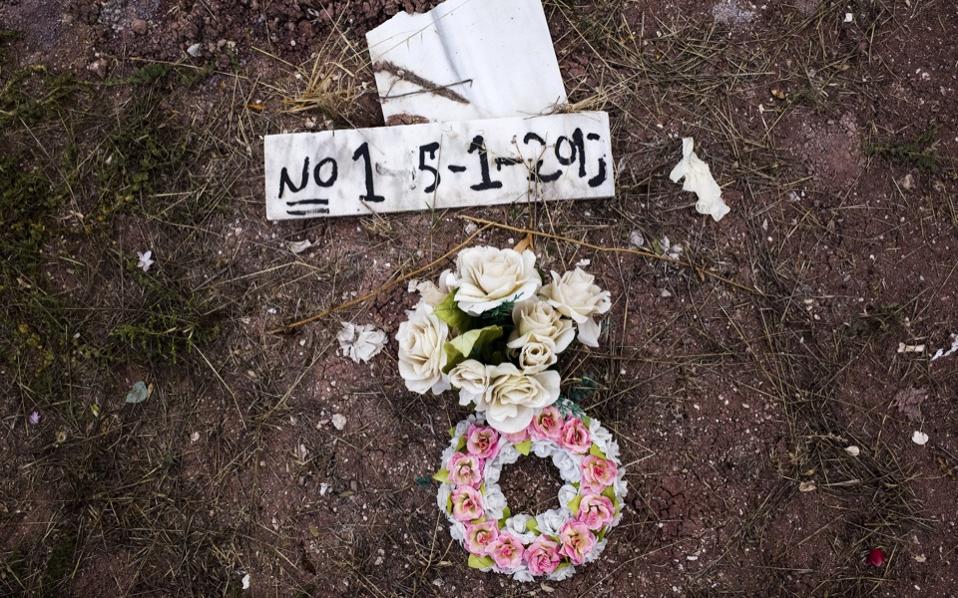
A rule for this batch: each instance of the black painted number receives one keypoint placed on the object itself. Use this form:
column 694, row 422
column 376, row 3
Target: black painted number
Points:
column 363, row 152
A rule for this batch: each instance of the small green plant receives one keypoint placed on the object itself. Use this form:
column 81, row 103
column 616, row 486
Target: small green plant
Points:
column 921, row 153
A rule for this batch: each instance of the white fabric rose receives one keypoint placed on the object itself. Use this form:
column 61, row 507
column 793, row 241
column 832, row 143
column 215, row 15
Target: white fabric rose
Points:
column 621, row 485
column 568, row 466
column 550, row 522
column 471, row 379
column 512, row 397
column 421, row 353
column 517, row 527
column 543, row 320
column 431, row 293
column 494, row 501
column 492, row 472
column 597, row 549
column 576, row 296
column 543, row 448
column 507, row 455
column 566, row 494
column 523, row 575
column 458, row 531
column 537, row 355
column 463, row 426
column 487, row 277
column 449, row 451
column 561, row 574
column 442, row 497
column 603, row 439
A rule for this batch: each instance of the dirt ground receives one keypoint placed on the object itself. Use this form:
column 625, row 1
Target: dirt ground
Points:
column 802, row 325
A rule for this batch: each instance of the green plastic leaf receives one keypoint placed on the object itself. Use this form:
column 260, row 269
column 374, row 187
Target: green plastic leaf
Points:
column 452, row 432
column 462, row 443
column 532, row 526
column 441, row 476
column 595, row 451
column 460, row 348
column 139, row 393
column 609, row 493
column 574, row 504
column 480, row 562
column 524, row 447
column 449, row 312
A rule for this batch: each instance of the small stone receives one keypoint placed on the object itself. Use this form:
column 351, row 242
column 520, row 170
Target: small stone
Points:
column 807, row 486
column 97, row 67
column 665, row 294
column 853, row 450
column 636, row 239
column 339, row 421
column 139, row 26
column 907, row 182
column 195, row 50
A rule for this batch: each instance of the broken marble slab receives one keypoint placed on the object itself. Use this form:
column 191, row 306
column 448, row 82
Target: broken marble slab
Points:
column 438, row 166
column 465, row 60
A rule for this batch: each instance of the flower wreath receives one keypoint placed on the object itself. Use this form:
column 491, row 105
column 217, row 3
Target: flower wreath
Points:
column 525, row 546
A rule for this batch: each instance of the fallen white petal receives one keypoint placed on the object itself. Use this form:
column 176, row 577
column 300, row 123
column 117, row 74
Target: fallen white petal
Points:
column 853, row 450
column 919, row 438
column 145, row 260
column 699, row 180
column 361, row 343
column 903, row 348
column 246, row 581
column 339, row 421
column 943, row 353
column 298, row 247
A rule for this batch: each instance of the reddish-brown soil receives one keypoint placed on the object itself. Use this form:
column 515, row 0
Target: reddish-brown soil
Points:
column 734, row 401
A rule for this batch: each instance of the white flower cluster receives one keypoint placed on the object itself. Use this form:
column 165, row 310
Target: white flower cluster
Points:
column 492, row 331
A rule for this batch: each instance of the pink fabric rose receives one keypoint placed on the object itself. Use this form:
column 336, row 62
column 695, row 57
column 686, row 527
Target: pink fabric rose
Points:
column 597, row 474
column 482, row 442
column 595, row 511
column 577, row 541
column 465, row 470
column 542, row 556
column 506, row 551
column 547, row 425
column 518, row 437
column 575, row 436
column 479, row 536
column 466, row 504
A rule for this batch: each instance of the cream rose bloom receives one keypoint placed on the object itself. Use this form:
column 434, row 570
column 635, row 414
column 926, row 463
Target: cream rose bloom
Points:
column 575, row 295
column 488, row 277
column 421, row 353
column 543, row 320
column 432, row 293
column 470, row 379
column 513, row 396
column 537, row 355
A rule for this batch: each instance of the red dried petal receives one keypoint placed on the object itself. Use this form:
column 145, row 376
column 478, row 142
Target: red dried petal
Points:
column 876, row 557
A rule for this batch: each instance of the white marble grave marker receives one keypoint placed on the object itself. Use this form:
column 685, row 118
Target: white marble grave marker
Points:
column 438, row 166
